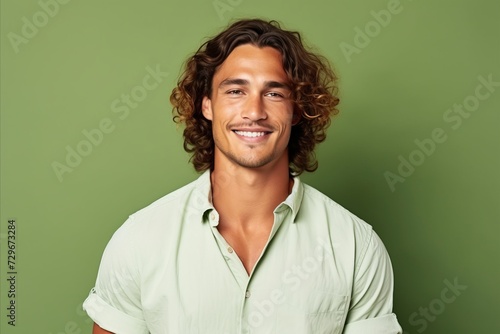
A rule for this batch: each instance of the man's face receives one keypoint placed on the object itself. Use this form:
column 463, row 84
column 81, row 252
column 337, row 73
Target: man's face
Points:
column 250, row 108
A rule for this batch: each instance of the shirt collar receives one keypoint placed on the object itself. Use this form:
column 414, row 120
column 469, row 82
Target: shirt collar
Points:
column 204, row 192
column 204, row 196
column 294, row 200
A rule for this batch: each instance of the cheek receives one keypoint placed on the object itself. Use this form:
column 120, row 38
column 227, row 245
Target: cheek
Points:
column 285, row 133
column 287, row 122
column 220, row 126
column 224, row 114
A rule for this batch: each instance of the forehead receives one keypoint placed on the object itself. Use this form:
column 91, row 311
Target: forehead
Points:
column 251, row 60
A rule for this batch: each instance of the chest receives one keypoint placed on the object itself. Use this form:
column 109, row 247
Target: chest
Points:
column 249, row 245
column 298, row 286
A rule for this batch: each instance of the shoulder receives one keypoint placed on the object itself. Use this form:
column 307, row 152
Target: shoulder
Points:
column 348, row 234
column 174, row 200
column 354, row 244
column 335, row 215
column 163, row 218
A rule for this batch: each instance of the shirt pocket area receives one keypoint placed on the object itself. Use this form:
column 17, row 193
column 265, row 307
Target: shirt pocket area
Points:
column 320, row 312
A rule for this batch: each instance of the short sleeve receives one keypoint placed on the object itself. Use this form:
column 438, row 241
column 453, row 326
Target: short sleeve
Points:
column 114, row 303
column 386, row 324
column 370, row 310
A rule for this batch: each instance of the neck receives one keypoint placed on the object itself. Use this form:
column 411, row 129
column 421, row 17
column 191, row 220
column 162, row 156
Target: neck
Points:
column 246, row 196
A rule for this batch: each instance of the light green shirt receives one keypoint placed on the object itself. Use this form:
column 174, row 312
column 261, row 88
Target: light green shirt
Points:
column 169, row 270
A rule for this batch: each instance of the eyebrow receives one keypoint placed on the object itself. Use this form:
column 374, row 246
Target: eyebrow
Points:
column 244, row 82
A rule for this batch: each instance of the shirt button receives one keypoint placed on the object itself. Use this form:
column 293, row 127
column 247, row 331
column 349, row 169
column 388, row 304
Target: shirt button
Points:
column 212, row 216
column 229, row 249
column 247, row 294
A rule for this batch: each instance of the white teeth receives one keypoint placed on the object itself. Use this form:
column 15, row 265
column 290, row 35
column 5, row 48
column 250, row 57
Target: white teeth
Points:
column 250, row 134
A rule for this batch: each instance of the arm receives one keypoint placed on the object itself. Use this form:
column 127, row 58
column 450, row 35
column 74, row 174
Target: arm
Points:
column 99, row 330
column 371, row 303
column 115, row 301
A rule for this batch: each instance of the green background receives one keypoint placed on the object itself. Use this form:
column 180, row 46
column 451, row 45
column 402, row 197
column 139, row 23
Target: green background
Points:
column 441, row 223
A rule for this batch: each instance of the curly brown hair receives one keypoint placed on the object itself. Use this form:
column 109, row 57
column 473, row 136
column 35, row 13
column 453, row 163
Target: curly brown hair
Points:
column 313, row 84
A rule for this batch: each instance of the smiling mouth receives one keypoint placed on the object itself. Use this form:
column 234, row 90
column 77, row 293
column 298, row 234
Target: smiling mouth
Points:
column 251, row 134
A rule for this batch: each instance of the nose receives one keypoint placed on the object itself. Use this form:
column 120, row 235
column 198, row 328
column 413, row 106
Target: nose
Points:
column 253, row 109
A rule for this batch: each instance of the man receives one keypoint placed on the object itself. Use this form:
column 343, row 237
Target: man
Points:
column 247, row 248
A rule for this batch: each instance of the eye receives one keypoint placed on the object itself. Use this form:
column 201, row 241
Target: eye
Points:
column 274, row 95
column 234, row 92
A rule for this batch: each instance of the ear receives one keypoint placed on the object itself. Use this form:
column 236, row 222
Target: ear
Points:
column 206, row 108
